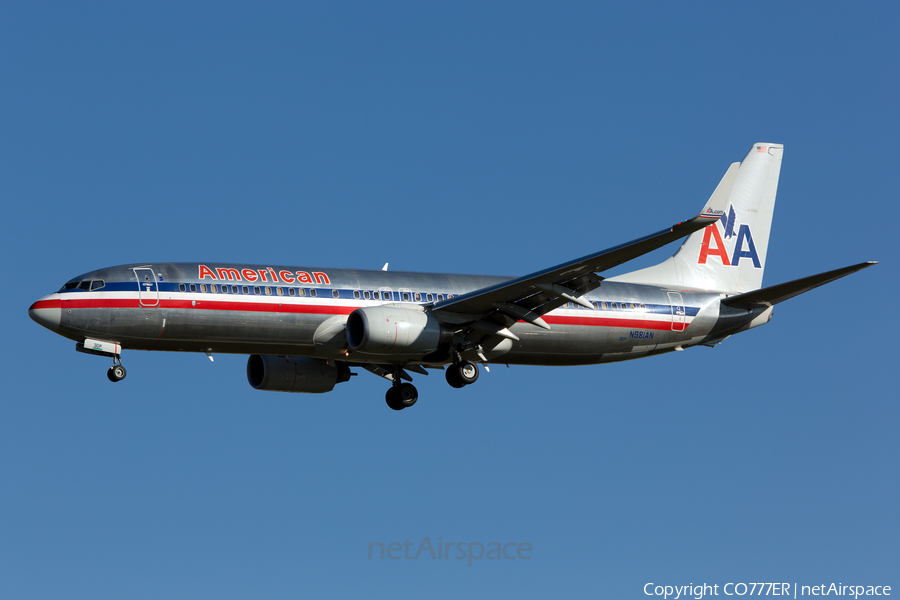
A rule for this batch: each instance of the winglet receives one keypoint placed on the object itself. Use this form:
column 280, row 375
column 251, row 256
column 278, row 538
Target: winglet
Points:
column 718, row 202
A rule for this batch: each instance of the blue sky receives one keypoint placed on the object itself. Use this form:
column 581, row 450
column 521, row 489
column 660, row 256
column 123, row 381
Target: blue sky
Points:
column 472, row 138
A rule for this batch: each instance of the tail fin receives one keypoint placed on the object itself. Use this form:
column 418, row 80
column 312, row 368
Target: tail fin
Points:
column 729, row 256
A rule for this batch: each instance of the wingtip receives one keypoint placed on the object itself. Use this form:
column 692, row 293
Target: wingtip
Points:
column 718, row 202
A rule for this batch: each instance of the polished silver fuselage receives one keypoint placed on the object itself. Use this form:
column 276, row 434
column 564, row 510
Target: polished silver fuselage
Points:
column 295, row 311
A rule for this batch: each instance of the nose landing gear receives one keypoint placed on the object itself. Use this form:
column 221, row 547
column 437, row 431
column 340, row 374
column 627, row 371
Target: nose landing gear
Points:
column 109, row 349
column 116, row 372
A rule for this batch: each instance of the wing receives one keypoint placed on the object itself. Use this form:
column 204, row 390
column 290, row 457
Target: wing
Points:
column 490, row 311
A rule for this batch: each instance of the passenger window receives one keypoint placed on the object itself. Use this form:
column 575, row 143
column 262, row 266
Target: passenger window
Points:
column 268, row 291
column 418, row 297
column 312, row 293
column 356, row 294
column 245, row 289
column 193, row 287
column 234, row 289
column 291, row 291
column 202, row 287
column 214, row 288
column 604, row 305
column 366, row 294
column 279, row 291
column 440, row 297
column 182, row 287
column 256, row 290
column 376, row 295
column 301, row 292
column 97, row 284
column 643, row 307
column 406, row 296
column 335, row 293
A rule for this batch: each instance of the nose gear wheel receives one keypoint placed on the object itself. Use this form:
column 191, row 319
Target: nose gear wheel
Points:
column 116, row 373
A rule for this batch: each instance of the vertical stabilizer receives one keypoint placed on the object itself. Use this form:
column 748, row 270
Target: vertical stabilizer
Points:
column 729, row 256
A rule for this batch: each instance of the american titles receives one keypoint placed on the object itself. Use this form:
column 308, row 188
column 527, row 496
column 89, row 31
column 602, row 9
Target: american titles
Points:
column 713, row 245
column 263, row 275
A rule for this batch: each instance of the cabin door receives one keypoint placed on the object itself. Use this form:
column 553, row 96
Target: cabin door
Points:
column 677, row 303
column 148, row 290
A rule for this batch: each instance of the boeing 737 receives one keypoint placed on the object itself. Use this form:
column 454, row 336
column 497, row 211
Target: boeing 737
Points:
column 306, row 328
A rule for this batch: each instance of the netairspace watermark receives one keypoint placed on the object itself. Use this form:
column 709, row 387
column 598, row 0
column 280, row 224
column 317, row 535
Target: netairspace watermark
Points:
column 442, row 550
column 764, row 589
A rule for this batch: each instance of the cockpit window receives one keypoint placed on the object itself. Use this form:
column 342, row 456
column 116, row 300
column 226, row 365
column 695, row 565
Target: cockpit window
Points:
column 97, row 284
column 84, row 285
column 69, row 286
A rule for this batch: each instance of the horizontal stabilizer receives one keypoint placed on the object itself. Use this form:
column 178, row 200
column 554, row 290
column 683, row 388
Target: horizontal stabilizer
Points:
column 771, row 296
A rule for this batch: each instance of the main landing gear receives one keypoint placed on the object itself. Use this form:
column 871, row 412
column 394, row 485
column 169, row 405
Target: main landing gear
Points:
column 116, row 372
column 401, row 395
column 462, row 373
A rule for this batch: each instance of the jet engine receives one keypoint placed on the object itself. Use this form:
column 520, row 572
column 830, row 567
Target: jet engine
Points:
column 393, row 330
column 295, row 374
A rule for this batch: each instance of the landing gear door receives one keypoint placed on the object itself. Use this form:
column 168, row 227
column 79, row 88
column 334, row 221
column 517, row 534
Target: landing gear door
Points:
column 677, row 303
column 148, row 290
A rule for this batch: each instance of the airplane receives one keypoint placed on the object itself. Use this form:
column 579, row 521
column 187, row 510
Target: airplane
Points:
column 305, row 328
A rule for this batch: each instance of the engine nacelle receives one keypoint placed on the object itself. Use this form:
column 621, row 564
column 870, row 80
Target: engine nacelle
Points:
column 295, row 374
column 394, row 330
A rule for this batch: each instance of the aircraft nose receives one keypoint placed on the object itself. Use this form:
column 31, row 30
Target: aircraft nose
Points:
column 46, row 313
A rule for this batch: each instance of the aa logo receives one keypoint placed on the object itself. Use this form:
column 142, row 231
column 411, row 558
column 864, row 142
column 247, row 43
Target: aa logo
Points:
column 714, row 245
